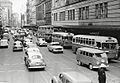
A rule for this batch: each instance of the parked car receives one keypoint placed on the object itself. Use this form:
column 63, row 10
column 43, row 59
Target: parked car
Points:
column 34, row 60
column 41, row 42
column 70, row 77
column 17, row 45
column 55, row 47
column 4, row 43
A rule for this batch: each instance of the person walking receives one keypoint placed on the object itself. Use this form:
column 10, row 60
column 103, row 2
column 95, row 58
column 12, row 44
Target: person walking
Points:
column 101, row 75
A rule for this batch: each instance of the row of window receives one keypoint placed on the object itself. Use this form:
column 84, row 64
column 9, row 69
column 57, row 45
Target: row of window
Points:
column 84, row 41
column 101, row 11
column 86, row 53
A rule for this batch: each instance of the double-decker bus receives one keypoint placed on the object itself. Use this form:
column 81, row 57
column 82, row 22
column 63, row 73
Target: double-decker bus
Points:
column 46, row 31
column 108, row 44
column 64, row 38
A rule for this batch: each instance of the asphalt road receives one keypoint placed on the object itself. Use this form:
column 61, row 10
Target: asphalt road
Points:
column 13, row 69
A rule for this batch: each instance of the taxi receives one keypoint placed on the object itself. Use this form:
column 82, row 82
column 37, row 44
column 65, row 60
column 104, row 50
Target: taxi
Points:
column 55, row 47
column 17, row 45
column 70, row 77
column 34, row 60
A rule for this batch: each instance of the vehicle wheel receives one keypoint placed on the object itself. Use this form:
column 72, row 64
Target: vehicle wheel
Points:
column 90, row 66
column 79, row 62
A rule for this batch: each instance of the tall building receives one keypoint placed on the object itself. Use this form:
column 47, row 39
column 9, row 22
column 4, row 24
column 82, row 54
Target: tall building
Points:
column 6, row 7
column 43, row 12
column 31, row 12
column 15, row 20
column 85, row 12
column 40, row 12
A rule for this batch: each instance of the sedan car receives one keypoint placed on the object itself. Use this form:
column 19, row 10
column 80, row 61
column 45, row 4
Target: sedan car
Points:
column 70, row 77
column 34, row 61
column 4, row 43
column 55, row 47
column 30, row 45
column 41, row 42
column 17, row 46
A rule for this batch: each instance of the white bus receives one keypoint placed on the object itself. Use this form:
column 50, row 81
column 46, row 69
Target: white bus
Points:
column 64, row 38
column 108, row 44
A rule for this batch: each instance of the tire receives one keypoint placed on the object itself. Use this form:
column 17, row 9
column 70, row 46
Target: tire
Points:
column 79, row 63
column 90, row 66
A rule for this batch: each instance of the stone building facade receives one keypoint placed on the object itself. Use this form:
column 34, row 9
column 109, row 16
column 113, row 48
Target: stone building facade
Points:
column 85, row 12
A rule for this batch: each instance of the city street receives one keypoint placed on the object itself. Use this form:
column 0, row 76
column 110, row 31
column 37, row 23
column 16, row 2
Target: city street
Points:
column 13, row 69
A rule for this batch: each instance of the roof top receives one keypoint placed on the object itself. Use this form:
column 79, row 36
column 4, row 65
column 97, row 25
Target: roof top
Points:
column 91, row 50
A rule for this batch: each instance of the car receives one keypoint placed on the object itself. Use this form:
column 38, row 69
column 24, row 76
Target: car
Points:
column 33, row 50
column 55, row 47
column 26, row 41
column 70, row 77
column 17, row 46
column 30, row 45
column 41, row 42
column 4, row 43
column 34, row 60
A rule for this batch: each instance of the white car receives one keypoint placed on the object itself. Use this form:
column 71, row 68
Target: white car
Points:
column 4, row 43
column 55, row 47
column 17, row 45
column 34, row 60
column 26, row 41
column 41, row 42
column 30, row 45
column 32, row 50
column 70, row 77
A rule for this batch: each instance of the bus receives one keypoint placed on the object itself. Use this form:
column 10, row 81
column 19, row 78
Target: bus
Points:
column 107, row 44
column 64, row 38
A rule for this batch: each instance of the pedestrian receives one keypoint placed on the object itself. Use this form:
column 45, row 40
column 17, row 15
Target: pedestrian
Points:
column 101, row 74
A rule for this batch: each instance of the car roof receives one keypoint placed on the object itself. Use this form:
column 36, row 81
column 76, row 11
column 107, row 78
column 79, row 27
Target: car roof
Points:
column 34, row 53
column 33, row 48
column 91, row 50
column 54, row 43
column 17, row 42
column 76, row 77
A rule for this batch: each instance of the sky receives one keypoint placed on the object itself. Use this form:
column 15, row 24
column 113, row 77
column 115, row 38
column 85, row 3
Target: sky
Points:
column 19, row 6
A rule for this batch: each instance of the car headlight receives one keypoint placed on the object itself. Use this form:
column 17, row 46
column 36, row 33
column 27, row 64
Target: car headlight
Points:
column 97, row 62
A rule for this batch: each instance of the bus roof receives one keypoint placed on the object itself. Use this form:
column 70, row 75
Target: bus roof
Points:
column 91, row 50
column 97, row 38
column 63, row 33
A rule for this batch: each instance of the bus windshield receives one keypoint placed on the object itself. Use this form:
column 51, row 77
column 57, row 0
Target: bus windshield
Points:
column 109, row 45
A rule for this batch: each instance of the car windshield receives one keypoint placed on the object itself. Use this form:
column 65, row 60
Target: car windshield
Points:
column 36, row 57
column 109, row 45
column 101, row 54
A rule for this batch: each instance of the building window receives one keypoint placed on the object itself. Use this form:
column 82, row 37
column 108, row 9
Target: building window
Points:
column 101, row 10
column 84, row 13
column 62, row 16
column 87, row 12
column 55, row 16
column 71, row 14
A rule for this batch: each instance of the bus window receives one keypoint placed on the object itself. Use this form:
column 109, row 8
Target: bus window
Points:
column 91, row 55
column 73, row 39
column 98, row 54
column 98, row 44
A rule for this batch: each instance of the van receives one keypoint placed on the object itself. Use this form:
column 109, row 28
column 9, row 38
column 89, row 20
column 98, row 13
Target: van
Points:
column 94, row 58
column 70, row 77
